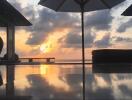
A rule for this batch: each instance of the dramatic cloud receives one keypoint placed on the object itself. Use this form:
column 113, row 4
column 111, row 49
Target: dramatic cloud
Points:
column 124, row 26
column 99, row 20
column 75, row 40
column 47, row 22
column 122, row 39
column 104, row 42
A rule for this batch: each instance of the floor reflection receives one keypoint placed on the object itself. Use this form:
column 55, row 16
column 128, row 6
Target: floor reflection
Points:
column 9, row 87
column 65, row 83
column 112, row 68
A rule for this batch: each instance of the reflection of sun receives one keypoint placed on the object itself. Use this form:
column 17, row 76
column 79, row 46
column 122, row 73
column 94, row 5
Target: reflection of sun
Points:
column 52, row 76
column 43, row 69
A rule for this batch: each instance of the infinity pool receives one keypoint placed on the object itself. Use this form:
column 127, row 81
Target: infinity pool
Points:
column 64, row 82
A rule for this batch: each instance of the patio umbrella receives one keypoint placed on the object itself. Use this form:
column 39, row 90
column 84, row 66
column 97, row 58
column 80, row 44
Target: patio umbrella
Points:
column 128, row 12
column 9, row 18
column 80, row 6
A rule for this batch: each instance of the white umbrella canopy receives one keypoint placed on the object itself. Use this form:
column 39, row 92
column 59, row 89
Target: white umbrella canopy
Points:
column 80, row 6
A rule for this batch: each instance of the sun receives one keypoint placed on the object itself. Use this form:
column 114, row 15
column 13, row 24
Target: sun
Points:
column 42, row 48
column 45, row 48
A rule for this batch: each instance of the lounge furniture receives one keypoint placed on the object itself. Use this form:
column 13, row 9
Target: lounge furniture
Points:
column 112, row 61
column 112, row 56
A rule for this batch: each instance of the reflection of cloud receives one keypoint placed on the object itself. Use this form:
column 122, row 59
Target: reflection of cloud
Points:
column 106, row 77
column 2, row 91
column 126, row 91
column 41, row 89
column 74, row 81
column 51, row 75
column 100, row 94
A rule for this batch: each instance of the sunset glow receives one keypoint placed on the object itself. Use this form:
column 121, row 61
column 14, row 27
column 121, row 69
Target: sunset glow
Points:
column 65, row 50
column 51, row 74
column 45, row 48
column 43, row 69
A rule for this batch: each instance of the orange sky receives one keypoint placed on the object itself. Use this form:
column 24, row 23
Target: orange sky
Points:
column 52, row 48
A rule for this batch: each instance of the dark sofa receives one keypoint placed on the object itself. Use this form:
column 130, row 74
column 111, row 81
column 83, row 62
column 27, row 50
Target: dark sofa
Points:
column 112, row 56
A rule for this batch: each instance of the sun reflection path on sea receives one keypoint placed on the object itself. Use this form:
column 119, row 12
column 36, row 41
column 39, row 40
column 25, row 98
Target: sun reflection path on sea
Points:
column 52, row 76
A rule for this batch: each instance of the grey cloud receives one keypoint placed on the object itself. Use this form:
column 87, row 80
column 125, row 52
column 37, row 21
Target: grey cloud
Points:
column 124, row 26
column 122, row 39
column 75, row 40
column 47, row 22
column 104, row 42
column 100, row 20
column 40, row 26
column 27, row 11
column 16, row 4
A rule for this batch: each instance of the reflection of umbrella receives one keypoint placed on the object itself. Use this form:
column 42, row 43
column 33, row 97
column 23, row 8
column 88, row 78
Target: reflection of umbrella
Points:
column 128, row 12
column 1, row 80
column 80, row 6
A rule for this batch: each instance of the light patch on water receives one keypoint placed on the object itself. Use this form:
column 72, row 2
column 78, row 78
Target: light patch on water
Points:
column 101, row 82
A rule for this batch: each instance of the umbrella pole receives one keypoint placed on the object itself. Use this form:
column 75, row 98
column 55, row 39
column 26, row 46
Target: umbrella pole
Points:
column 83, row 53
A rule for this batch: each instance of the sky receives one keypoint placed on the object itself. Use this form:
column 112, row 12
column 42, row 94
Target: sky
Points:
column 58, row 34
